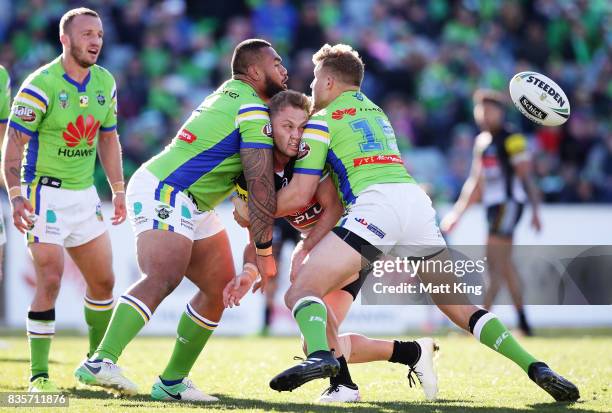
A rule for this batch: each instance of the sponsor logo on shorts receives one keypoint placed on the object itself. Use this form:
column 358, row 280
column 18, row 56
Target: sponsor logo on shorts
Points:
column 137, row 208
column 185, row 213
column 371, row 227
column 362, row 221
column 267, row 129
column 99, row 212
column 187, row 136
column 377, row 231
column 163, row 211
column 24, row 113
column 140, row 220
column 187, row 223
column 339, row 114
column 52, row 230
column 50, row 217
column 303, row 151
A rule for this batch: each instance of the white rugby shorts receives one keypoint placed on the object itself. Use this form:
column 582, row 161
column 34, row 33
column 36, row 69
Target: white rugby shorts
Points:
column 153, row 205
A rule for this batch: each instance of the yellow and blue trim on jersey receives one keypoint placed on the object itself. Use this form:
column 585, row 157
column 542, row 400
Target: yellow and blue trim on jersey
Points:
column 252, row 112
column 33, row 96
column 317, row 130
column 199, row 320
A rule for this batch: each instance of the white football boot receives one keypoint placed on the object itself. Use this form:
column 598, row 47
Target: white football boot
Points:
column 185, row 391
column 105, row 374
column 339, row 394
column 424, row 368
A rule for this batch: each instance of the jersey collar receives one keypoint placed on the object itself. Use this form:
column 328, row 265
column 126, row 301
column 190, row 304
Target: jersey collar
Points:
column 81, row 87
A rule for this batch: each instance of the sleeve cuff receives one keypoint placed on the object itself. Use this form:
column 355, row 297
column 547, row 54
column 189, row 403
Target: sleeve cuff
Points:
column 108, row 128
column 307, row 171
column 23, row 129
column 255, row 145
column 3, row 120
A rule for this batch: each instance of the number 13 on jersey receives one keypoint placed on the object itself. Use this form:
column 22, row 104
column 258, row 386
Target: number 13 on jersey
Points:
column 371, row 143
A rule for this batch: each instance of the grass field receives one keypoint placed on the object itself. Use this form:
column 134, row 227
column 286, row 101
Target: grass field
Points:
column 237, row 370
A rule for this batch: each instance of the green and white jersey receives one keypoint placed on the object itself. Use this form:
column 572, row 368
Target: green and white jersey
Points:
column 63, row 118
column 354, row 136
column 203, row 159
column 5, row 95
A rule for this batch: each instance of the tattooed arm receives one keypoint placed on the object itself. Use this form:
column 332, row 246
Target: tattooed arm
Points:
column 258, row 171
column 257, row 165
column 12, row 150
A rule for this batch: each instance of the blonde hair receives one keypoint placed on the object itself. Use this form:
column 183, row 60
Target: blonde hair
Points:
column 343, row 61
column 71, row 14
column 289, row 98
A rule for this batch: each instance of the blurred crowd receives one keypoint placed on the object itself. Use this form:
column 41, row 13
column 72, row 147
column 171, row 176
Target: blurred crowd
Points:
column 424, row 59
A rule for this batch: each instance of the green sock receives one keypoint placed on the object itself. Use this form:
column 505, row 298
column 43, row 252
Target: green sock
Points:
column 192, row 334
column 491, row 332
column 311, row 316
column 41, row 328
column 97, row 316
column 128, row 319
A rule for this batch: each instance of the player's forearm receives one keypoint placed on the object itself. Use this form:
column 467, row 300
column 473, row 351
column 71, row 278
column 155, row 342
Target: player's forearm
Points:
column 533, row 194
column 470, row 194
column 333, row 209
column 257, row 166
column 249, row 256
column 329, row 218
column 109, row 151
column 293, row 197
column 12, row 155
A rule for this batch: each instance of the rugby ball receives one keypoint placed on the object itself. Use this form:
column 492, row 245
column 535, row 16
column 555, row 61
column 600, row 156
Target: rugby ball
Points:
column 539, row 98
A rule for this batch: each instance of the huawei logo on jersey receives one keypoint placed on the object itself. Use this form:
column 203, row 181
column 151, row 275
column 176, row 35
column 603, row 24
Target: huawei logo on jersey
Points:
column 83, row 129
column 339, row 114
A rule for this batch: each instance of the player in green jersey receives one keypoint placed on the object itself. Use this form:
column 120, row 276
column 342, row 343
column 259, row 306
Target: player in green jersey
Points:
column 171, row 201
column 289, row 112
column 385, row 209
column 63, row 114
column 5, row 106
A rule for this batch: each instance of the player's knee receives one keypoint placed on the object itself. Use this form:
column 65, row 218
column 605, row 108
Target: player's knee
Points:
column 291, row 297
column 103, row 286
column 49, row 285
column 163, row 284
